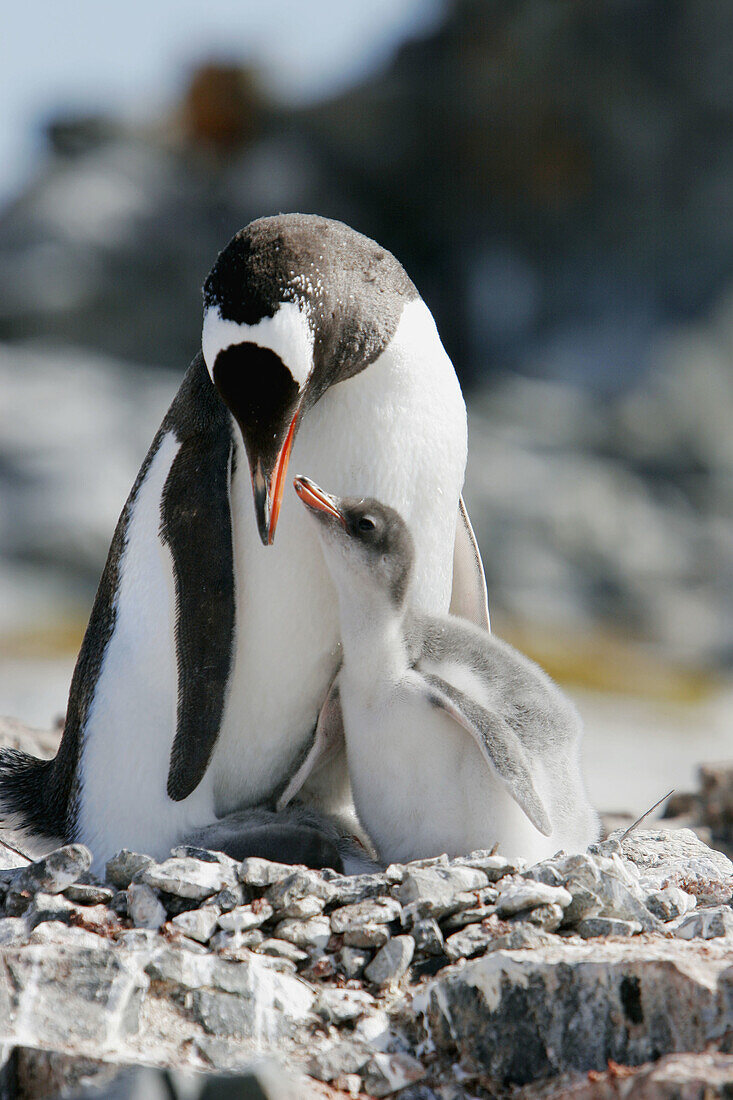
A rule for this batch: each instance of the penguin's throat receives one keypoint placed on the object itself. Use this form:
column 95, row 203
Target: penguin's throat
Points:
column 372, row 636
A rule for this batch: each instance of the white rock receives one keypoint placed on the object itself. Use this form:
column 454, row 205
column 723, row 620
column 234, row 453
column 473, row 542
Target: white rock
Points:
column 199, row 924
column 144, row 906
column 529, row 895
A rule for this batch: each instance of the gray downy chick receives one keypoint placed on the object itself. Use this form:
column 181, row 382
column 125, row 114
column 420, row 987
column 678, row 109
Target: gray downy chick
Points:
column 455, row 741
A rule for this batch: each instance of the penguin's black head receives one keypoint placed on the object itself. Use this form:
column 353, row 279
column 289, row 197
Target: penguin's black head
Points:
column 363, row 539
column 294, row 304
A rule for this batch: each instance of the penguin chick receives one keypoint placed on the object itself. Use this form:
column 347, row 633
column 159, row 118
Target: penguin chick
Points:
column 413, row 688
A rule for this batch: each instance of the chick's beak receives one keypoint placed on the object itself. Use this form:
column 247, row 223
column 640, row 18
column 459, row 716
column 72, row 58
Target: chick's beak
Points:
column 317, row 499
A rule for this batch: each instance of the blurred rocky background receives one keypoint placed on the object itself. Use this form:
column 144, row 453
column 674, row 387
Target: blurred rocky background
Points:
column 558, row 181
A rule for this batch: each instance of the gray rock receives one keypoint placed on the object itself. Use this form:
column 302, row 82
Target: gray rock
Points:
column 592, row 927
column 281, row 949
column 298, row 885
column 187, row 878
column 144, row 906
column 367, row 935
column 519, row 1016
column 350, row 889
column 352, row 960
column 677, row 857
column 464, row 917
column 548, row 917
column 45, row 907
column 585, row 903
column 670, row 902
column 705, row 924
column 13, row 930
column 123, row 867
column 71, row 996
column 428, row 937
column 337, row 1059
column 230, row 897
column 198, row 924
column 54, row 872
column 246, row 917
column 391, row 961
column 86, row 893
column 439, row 886
column 340, row 1006
column 315, row 932
column 235, row 942
column 385, row 1074
column 262, row 872
column 371, row 911
column 472, row 940
column 303, row 908
column 529, row 895
column 494, row 866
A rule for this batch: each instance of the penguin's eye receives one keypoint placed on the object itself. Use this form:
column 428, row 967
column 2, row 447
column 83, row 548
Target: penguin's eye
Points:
column 366, row 523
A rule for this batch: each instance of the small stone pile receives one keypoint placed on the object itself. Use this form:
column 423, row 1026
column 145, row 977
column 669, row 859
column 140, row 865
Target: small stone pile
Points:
column 349, row 964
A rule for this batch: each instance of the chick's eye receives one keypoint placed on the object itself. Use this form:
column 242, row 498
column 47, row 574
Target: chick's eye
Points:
column 366, row 523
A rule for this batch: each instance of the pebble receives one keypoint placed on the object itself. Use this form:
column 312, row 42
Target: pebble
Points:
column 298, row 885
column 245, row 917
column 340, row 1006
column 366, row 935
column 494, row 866
column 186, row 878
column 705, row 924
column 463, row 917
column 350, row 889
column 370, row 911
column 47, row 907
column 352, row 960
column 199, row 924
column 315, row 932
column 385, row 1074
column 391, row 961
column 548, row 917
column 230, row 897
column 123, row 867
column 468, row 942
column 669, row 903
column 236, row 941
column 606, row 926
column 428, row 937
column 530, row 895
column 54, row 872
column 262, row 872
column 281, row 949
column 144, row 906
column 303, row 908
column 86, row 893
column 336, row 1060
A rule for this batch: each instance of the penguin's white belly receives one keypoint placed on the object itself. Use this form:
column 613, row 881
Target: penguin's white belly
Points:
column 131, row 723
column 421, row 785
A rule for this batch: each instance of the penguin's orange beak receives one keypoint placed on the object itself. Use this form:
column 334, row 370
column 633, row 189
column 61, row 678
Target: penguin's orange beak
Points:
column 268, row 492
column 316, row 499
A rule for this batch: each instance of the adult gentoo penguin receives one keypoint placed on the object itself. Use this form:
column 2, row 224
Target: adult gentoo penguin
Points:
column 210, row 652
column 475, row 744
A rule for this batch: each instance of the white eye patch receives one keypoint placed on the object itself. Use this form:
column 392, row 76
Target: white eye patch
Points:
column 287, row 334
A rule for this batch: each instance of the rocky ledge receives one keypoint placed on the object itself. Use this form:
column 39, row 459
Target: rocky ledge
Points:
column 439, row 978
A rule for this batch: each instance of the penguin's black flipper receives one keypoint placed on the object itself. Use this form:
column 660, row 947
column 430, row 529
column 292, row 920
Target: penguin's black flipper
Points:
column 499, row 744
column 196, row 526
